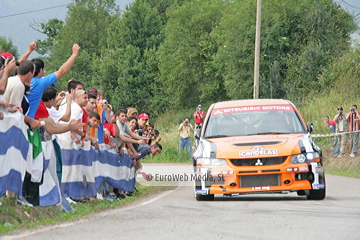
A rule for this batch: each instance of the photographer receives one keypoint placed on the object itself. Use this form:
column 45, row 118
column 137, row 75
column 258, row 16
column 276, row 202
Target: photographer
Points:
column 7, row 66
column 199, row 117
column 353, row 118
column 185, row 128
column 342, row 125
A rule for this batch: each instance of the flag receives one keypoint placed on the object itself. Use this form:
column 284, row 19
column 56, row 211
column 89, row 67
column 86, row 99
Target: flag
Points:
column 37, row 167
column 49, row 189
column 86, row 168
column 114, row 169
column 14, row 152
column 77, row 174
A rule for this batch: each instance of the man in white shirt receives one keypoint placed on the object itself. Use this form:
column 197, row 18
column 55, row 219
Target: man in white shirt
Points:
column 15, row 89
column 80, row 100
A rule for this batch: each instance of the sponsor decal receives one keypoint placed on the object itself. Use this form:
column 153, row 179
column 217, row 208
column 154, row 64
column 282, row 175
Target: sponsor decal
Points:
column 318, row 186
column 216, row 112
column 202, row 192
column 261, row 188
column 258, row 151
column 268, row 138
column 252, row 109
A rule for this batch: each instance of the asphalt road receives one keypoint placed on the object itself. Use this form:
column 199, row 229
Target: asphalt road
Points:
column 177, row 215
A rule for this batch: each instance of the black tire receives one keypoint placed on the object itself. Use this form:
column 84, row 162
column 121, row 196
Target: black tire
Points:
column 200, row 197
column 209, row 197
column 301, row 193
column 316, row 194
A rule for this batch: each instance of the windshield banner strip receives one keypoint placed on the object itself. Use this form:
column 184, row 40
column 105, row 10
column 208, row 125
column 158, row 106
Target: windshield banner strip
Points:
column 220, row 111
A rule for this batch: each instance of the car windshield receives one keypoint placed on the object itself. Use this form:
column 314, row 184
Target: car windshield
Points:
column 243, row 123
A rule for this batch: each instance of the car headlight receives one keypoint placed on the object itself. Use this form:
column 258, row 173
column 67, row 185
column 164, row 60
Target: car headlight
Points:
column 213, row 162
column 301, row 158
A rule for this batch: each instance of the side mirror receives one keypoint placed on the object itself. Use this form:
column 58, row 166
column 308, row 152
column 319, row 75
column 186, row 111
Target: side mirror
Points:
column 310, row 127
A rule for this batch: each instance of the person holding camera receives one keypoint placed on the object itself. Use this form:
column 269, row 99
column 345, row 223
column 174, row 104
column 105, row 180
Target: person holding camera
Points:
column 342, row 126
column 185, row 129
column 199, row 117
column 353, row 118
column 7, row 66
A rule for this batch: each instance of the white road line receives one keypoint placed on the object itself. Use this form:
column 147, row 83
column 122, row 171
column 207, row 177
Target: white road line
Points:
column 86, row 218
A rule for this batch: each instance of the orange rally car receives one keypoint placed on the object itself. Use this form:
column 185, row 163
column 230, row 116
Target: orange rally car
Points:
column 257, row 146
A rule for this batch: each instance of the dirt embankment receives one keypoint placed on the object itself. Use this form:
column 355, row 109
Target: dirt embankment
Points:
column 346, row 163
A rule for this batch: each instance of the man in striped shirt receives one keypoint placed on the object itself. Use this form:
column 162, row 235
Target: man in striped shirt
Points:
column 353, row 118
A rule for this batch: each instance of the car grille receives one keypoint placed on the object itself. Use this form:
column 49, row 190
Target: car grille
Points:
column 255, row 161
column 260, row 180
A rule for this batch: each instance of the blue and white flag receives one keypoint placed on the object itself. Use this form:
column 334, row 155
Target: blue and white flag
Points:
column 86, row 168
column 49, row 190
column 113, row 169
column 15, row 152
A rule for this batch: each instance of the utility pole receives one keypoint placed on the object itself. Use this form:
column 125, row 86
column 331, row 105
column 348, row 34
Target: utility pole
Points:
column 257, row 50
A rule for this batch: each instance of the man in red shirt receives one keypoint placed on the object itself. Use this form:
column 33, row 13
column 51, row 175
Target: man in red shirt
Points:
column 199, row 118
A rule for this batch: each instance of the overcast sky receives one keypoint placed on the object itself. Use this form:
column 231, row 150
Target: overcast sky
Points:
column 26, row 12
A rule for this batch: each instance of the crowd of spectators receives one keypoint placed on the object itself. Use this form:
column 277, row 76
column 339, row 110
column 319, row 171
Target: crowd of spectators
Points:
column 77, row 115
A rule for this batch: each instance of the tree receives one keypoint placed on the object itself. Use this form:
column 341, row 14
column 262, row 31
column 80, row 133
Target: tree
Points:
column 7, row 45
column 133, row 41
column 298, row 40
column 51, row 29
column 186, row 54
column 139, row 26
column 86, row 24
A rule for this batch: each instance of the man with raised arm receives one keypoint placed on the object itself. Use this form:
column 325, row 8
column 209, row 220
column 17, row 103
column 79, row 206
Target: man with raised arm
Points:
column 40, row 82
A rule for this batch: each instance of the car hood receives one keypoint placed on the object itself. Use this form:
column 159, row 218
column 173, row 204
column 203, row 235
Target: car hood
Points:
column 257, row 146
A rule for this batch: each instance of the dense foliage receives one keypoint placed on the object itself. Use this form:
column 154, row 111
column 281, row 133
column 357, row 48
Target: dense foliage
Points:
column 7, row 45
column 161, row 54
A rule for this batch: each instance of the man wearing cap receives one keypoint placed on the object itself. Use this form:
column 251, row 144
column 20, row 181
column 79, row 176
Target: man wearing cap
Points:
column 142, row 120
column 7, row 66
column 132, row 112
column 199, row 118
column 342, row 126
column 40, row 82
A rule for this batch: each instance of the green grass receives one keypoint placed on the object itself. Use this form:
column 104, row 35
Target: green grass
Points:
column 344, row 171
column 168, row 124
column 15, row 217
